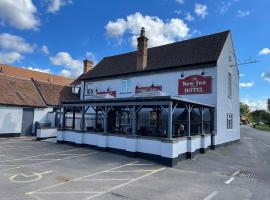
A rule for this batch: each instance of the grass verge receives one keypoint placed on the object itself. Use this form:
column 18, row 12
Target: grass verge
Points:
column 263, row 127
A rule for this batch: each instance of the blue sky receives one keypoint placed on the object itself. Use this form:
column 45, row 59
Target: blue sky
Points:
column 56, row 35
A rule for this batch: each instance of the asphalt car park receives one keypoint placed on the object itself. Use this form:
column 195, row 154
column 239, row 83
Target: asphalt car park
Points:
column 42, row 170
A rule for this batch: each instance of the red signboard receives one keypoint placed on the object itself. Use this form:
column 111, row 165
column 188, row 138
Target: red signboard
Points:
column 195, row 84
column 112, row 93
column 147, row 89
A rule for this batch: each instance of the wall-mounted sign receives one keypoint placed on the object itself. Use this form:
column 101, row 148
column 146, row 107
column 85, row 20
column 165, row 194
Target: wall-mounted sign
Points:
column 195, row 84
column 148, row 89
column 112, row 93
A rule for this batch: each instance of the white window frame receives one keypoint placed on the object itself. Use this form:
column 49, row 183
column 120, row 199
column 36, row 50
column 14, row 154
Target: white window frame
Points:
column 126, row 86
column 229, row 85
column 88, row 87
column 229, row 121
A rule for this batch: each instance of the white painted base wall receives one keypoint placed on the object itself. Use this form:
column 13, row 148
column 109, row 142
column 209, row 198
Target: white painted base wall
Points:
column 46, row 133
column 160, row 147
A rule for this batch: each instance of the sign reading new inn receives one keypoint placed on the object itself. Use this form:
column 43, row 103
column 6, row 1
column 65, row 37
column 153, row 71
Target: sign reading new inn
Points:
column 195, row 84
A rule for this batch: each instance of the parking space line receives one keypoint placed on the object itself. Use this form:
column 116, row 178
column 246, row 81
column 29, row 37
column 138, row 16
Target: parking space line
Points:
column 77, row 179
column 49, row 161
column 126, row 183
column 106, row 179
column 210, row 196
column 126, row 171
column 229, row 180
column 232, row 177
column 47, row 154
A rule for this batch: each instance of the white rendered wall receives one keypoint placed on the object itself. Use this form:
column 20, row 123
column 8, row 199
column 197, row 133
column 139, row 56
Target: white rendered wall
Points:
column 224, row 103
column 10, row 119
column 168, row 80
column 41, row 115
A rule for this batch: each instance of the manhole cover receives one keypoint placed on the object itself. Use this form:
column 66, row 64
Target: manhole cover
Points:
column 246, row 174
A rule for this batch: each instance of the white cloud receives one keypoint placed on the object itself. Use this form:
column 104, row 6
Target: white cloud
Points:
column 180, row 1
column 224, row 7
column 158, row 31
column 264, row 51
column 45, row 49
column 247, row 84
column 73, row 67
column 15, row 43
column 48, row 71
column 55, row 5
column 243, row 13
column 20, row 14
column 189, row 17
column 91, row 56
column 10, row 57
column 201, row 10
column 178, row 12
column 266, row 76
column 242, row 75
column 256, row 104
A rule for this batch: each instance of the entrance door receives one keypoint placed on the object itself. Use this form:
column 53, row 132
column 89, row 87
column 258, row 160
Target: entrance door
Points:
column 27, row 122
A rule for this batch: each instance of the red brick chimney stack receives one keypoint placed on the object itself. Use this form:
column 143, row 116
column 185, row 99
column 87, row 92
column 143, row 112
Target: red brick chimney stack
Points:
column 87, row 65
column 142, row 51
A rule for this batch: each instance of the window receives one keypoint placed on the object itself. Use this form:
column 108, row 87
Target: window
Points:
column 126, row 85
column 229, row 121
column 229, row 85
column 89, row 89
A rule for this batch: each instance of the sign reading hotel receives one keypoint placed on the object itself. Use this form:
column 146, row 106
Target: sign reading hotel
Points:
column 195, row 84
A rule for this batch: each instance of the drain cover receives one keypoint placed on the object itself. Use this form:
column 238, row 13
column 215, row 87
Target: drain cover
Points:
column 246, row 174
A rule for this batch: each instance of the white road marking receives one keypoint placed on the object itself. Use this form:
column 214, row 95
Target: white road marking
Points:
column 127, row 171
column 232, row 177
column 124, row 184
column 210, row 196
column 47, row 154
column 106, row 179
column 49, row 161
column 78, row 179
column 141, row 164
column 229, row 180
column 236, row 173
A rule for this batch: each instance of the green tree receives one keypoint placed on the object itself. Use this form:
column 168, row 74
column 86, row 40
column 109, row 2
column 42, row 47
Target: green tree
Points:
column 268, row 104
column 244, row 110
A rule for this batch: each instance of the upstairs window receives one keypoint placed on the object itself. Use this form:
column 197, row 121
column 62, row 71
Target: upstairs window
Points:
column 229, row 121
column 229, row 85
column 89, row 89
column 126, row 86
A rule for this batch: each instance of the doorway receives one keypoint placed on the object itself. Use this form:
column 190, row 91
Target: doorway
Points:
column 27, row 122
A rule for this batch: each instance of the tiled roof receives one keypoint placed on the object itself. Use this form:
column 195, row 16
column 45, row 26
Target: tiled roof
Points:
column 192, row 52
column 33, row 93
column 19, row 92
column 19, row 72
column 54, row 94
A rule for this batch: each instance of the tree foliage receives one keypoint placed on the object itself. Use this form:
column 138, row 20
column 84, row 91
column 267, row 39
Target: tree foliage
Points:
column 244, row 109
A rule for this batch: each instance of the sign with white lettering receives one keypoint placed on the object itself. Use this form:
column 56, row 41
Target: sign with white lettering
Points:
column 112, row 93
column 195, row 84
column 148, row 89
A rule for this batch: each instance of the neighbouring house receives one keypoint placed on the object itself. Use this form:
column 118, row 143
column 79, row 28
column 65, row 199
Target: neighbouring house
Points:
column 28, row 96
column 165, row 103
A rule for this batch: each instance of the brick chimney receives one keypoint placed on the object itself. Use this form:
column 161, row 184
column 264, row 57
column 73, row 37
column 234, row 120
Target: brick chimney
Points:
column 142, row 51
column 87, row 65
